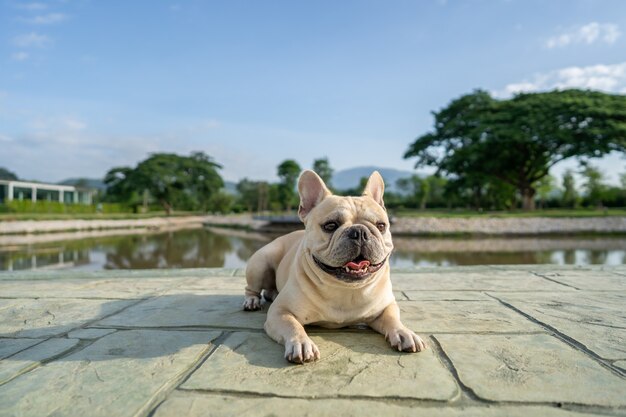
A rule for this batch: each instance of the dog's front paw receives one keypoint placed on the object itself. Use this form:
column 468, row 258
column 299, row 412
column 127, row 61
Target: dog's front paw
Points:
column 252, row 303
column 405, row 340
column 301, row 350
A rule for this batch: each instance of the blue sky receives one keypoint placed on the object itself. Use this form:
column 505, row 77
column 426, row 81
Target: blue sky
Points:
column 89, row 85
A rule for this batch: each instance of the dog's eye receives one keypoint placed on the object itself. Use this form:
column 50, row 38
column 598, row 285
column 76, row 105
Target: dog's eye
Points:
column 330, row 226
column 381, row 226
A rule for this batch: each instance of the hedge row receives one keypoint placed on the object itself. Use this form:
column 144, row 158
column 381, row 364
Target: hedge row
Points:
column 55, row 207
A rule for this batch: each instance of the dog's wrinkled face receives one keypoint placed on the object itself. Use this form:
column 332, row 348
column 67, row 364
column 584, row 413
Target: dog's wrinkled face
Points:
column 347, row 237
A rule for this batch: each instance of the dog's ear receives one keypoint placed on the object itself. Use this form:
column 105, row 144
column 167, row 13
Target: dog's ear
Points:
column 375, row 188
column 312, row 191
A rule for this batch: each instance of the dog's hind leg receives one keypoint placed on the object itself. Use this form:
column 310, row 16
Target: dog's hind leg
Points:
column 260, row 275
column 270, row 295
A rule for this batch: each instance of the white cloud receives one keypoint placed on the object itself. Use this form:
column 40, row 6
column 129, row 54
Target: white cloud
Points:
column 32, row 39
column 34, row 7
column 62, row 126
column 586, row 34
column 609, row 78
column 20, row 56
column 45, row 19
column 52, row 150
column 74, row 124
column 5, row 138
column 204, row 125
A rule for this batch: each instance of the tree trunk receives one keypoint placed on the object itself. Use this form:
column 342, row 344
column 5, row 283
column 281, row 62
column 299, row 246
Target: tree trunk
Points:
column 167, row 206
column 423, row 203
column 528, row 198
column 144, row 204
column 478, row 197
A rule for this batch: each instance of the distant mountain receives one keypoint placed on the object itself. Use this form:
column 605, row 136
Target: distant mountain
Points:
column 230, row 187
column 350, row 178
column 85, row 182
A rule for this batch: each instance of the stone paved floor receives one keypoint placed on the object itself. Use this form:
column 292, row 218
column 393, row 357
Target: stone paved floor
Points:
column 518, row 341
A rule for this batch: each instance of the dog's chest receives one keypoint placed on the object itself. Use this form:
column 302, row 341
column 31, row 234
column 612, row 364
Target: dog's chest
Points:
column 343, row 311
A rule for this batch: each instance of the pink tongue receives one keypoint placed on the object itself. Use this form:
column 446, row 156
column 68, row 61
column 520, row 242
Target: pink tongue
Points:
column 360, row 265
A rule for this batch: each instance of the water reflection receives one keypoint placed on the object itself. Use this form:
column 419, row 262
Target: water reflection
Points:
column 605, row 250
column 194, row 248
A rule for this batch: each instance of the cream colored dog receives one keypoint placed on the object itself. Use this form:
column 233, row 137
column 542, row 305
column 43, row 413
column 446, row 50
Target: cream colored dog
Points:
column 334, row 273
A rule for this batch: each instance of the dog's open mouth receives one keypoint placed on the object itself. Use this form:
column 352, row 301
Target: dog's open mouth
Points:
column 355, row 270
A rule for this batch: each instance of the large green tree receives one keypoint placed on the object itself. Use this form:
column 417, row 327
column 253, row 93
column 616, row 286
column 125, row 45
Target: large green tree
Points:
column 186, row 182
column 570, row 195
column 422, row 190
column 545, row 187
column 288, row 172
column 5, row 174
column 593, row 184
column 120, row 184
column 322, row 168
column 254, row 195
column 517, row 140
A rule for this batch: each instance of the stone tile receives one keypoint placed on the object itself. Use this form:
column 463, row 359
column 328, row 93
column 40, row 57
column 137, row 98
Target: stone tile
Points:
column 116, row 376
column 215, row 272
column 591, row 279
column 446, row 296
column 9, row 347
column 13, row 366
column 49, row 317
column 475, row 280
column 598, row 321
column 239, row 272
column 536, row 368
column 399, row 296
column 234, row 284
column 463, row 316
column 199, row 405
column 210, row 308
column 352, row 364
column 446, row 269
column 522, row 267
column 96, row 289
column 89, row 333
column 621, row 270
column 115, row 274
column 123, row 288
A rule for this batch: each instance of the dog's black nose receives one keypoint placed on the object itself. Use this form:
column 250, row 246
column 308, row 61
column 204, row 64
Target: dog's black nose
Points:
column 358, row 232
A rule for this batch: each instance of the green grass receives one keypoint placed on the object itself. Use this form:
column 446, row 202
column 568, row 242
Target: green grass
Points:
column 512, row 214
column 92, row 216
column 440, row 213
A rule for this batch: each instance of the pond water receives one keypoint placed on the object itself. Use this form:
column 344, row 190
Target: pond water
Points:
column 200, row 247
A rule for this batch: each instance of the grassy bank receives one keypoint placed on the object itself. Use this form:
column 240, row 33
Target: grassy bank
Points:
column 93, row 216
column 512, row 214
column 399, row 213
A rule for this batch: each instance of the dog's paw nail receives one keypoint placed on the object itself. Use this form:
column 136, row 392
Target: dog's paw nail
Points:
column 252, row 304
column 301, row 351
column 406, row 341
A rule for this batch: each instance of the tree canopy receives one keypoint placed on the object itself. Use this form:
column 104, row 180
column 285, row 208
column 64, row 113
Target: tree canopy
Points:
column 288, row 172
column 186, row 182
column 322, row 168
column 5, row 174
column 479, row 139
column 254, row 195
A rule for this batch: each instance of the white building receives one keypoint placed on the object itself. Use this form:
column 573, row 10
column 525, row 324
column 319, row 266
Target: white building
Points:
column 36, row 191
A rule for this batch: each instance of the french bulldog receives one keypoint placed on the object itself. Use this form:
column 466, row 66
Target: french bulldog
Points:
column 335, row 273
